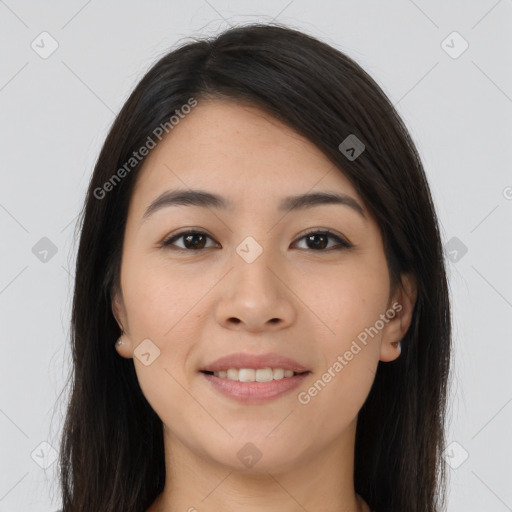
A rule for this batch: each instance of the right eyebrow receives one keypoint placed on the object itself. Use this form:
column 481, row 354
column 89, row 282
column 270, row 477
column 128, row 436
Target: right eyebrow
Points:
column 204, row 199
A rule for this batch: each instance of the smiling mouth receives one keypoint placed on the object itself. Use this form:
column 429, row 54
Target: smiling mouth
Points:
column 254, row 375
column 254, row 386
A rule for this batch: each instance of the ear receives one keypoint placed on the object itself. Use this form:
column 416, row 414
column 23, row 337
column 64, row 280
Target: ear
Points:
column 400, row 310
column 119, row 312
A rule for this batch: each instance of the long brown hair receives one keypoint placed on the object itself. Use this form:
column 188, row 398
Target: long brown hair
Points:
column 112, row 453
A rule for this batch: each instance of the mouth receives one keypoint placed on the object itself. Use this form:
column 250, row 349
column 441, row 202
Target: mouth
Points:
column 250, row 378
column 254, row 375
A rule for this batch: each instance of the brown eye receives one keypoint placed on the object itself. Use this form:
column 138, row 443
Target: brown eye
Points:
column 319, row 241
column 192, row 240
column 197, row 240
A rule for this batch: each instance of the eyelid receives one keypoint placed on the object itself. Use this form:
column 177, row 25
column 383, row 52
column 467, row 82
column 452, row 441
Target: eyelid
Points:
column 165, row 243
column 342, row 241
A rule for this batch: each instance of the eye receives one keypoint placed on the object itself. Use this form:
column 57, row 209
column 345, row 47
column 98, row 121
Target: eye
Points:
column 193, row 240
column 319, row 240
column 315, row 240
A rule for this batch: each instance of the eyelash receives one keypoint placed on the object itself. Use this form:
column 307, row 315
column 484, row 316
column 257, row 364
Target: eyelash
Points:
column 342, row 244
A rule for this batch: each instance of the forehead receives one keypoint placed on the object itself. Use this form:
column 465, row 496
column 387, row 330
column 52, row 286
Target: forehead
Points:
column 239, row 152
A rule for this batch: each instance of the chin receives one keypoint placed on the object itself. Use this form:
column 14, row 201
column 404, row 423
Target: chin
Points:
column 256, row 456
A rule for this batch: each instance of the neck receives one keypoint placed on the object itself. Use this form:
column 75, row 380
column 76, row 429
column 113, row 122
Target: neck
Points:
column 319, row 481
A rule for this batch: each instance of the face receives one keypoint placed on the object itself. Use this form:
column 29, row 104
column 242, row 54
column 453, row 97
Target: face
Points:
column 258, row 281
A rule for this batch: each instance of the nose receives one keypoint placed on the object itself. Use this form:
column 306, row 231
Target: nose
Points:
column 255, row 296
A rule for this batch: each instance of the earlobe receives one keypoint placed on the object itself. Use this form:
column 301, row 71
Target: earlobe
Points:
column 122, row 344
column 123, row 347
column 390, row 351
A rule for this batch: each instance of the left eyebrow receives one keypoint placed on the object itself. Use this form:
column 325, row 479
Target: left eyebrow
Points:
column 203, row 199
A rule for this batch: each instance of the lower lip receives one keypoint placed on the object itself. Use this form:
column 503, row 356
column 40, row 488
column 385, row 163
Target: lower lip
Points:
column 254, row 392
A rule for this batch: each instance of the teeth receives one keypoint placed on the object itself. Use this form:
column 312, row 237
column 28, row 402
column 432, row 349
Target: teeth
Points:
column 246, row 375
column 232, row 374
column 278, row 373
column 251, row 375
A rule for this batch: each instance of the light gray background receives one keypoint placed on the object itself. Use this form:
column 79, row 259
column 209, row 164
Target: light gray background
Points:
column 55, row 113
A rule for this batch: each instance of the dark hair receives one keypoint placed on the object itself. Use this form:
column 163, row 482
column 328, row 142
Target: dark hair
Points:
column 112, row 452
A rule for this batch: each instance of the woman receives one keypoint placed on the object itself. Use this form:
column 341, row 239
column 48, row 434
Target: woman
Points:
column 260, row 239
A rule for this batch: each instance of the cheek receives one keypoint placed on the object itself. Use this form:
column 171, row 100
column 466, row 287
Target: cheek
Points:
column 161, row 299
column 160, row 304
column 347, row 301
column 350, row 304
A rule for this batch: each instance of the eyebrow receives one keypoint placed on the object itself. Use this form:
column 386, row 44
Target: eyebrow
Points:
column 203, row 199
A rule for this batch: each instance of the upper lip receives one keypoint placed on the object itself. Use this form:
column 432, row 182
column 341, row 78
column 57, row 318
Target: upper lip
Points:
column 254, row 361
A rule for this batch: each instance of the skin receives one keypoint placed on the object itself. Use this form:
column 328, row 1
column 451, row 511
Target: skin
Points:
column 199, row 304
